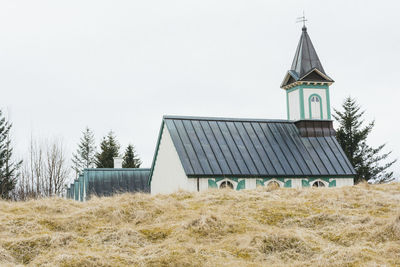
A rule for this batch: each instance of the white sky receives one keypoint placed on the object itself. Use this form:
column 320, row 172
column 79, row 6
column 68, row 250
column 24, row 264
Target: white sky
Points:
column 121, row 65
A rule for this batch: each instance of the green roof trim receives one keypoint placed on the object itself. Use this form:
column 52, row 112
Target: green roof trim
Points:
column 271, row 176
column 156, row 152
column 117, row 169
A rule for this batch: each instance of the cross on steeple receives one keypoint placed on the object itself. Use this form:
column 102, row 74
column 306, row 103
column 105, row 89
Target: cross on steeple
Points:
column 302, row 19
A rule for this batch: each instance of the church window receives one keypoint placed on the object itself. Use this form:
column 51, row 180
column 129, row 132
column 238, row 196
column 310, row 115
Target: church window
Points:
column 273, row 184
column 226, row 184
column 315, row 107
column 318, row 184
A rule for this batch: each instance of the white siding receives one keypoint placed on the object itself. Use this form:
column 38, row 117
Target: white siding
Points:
column 251, row 183
column 294, row 105
column 296, row 183
column 203, row 184
column 344, row 182
column 307, row 92
column 168, row 173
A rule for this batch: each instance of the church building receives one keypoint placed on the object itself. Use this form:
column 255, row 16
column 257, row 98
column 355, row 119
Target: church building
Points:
column 198, row 153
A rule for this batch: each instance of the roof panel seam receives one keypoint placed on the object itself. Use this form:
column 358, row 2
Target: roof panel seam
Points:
column 233, row 156
column 211, row 147
column 284, row 154
column 247, row 150
column 278, row 148
column 201, row 147
column 258, row 138
column 300, row 146
column 326, row 155
column 255, row 149
column 216, row 140
column 192, row 147
column 183, row 146
column 334, row 154
column 315, row 152
column 349, row 165
column 318, row 155
column 282, row 133
column 299, row 143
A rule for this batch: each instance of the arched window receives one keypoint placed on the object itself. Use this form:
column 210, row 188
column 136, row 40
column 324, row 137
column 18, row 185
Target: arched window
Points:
column 226, row 184
column 318, row 184
column 273, row 184
column 315, row 102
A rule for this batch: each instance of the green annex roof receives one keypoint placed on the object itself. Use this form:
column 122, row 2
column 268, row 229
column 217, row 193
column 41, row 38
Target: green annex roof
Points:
column 109, row 181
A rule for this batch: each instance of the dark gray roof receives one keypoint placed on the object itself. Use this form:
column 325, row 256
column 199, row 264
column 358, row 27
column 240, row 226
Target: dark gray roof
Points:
column 306, row 57
column 305, row 62
column 109, row 181
column 253, row 148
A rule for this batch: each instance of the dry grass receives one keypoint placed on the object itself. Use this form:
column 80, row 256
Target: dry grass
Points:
column 352, row 226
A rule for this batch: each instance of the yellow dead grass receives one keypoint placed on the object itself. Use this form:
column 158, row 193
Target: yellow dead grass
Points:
column 351, row 226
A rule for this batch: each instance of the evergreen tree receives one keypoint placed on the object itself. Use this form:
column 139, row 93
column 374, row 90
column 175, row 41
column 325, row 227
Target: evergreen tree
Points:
column 8, row 168
column 85, row 154
column 109, row 149
column 352, row 136
column 131, row 159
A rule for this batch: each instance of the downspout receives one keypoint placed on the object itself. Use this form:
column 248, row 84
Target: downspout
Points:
column 198, row 184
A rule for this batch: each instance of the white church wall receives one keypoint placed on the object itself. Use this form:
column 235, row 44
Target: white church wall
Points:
column 294, row 105
column 307, row 92
column 168, row 174
column 251, row 183
column 296, row 183
column 344, row 182
column 203, row 184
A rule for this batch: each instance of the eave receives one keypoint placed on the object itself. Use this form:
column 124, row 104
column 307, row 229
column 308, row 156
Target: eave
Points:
column 300, row 80
column 289, row 86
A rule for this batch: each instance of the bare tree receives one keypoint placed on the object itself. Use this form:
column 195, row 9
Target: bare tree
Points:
column 56, row 167
column 37, row 166
column 45, row 171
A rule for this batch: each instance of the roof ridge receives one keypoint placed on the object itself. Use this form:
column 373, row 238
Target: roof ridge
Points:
column 117, row 169
column 178, row 117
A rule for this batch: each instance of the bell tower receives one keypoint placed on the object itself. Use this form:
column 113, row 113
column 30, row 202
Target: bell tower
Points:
column 306, row 84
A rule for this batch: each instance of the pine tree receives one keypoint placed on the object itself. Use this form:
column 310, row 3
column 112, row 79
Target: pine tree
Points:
column 8, row 168
column 109, row 149
column 131, row 159
column 352, row 136
column 85, row 154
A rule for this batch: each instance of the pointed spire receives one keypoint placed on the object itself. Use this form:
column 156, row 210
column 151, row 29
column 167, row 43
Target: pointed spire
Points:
column 306, row 66
column 306, row 57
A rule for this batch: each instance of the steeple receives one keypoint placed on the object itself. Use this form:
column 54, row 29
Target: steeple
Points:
column 306, row 65
column 307, row 84
column 306, row 57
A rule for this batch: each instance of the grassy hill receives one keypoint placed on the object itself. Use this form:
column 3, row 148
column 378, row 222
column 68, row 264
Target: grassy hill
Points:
column 352, row 226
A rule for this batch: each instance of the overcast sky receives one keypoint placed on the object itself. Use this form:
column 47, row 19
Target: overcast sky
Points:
column 122, row 65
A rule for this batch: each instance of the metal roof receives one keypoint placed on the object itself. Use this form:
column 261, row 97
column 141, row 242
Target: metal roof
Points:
column 305, row 62
column 253, row 148
column 306, row 57
column 109, row 181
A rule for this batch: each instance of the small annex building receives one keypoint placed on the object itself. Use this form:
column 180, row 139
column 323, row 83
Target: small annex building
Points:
column 107, row 182
column 197, row 153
